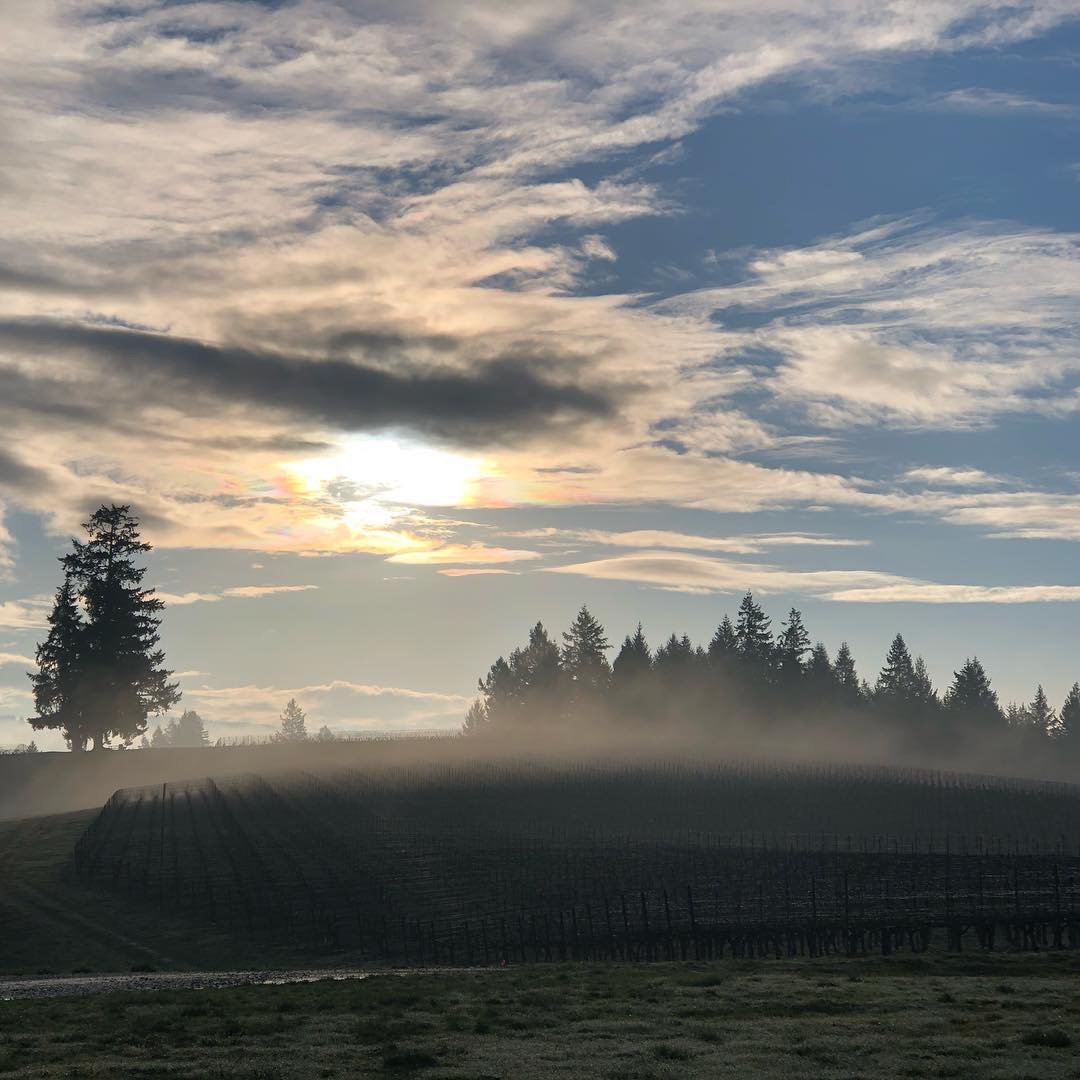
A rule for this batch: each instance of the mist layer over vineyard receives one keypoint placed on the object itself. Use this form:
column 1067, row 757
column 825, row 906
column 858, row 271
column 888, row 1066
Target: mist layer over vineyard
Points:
column 525, row 861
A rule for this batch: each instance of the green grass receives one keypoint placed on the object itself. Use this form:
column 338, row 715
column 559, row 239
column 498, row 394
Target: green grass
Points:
column 878, row 1018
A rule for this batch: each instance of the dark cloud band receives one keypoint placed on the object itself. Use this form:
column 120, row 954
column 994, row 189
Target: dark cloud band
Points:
column 493, row 400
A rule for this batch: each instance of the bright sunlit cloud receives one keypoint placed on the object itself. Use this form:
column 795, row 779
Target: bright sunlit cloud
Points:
column 370, row 474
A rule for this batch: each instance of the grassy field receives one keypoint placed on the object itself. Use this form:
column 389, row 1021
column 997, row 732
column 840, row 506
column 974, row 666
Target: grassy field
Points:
column 1005, row 1017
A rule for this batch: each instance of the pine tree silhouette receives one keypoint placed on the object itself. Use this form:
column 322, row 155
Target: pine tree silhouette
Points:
column 724, row 648
column 293, row 724
column 792, row 645
column 634, row 660
column 1069, row 718
column 121, row 678
column 58, row 683
column 896, row 681
column 848, row 683
column 972, row 700
column 1043, row 718
column 752, row 631
column 583, row 654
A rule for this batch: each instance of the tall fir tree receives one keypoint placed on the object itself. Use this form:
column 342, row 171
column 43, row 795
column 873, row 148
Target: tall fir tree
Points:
column 820, row 676
column 584, row 659
column 848, row 684
column 922, row 687
column 971, row 699
column 1069, row 717
column 896, row 681
column 792, row 645
column 675, row 659
column 293, row 724
column 1043, row 718
column 59, row 679
column 723, row 649
column 121, row 674
column 754, row 636
column 634, row 660
column 191, row 730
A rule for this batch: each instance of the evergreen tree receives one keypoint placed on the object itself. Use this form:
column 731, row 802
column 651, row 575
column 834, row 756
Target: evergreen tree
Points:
column 121, row 673
column 191, row 731
column 1069, row 719
column 500, row 696
column 59, row 681
column 848, row 684
column 1017, row 717
column 158, row 740
column 634, row 660
column 922, row 688
column 325, row 735
column 971, row 699
column 723, row 647
column 792, row 644
column 583, row 654
column 820, row 676
column 293, row 724
column 754, row 636
column 537, row 665
column 675, row 658
column 896, row 682
column 476, row 718
column 1043, row 718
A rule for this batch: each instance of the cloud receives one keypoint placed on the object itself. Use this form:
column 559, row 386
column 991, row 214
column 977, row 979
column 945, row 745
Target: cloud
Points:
column 926, row 592
column 235, row 229
column 464, row 553
column 701, row 574
column 502, row 395
column 475, row 571
column 913, row 325
column 946, row 476
column 16, row 658
column 662, row 538
column 978, row 99
column 257, row 708
column 235, row 592
column 28, row 614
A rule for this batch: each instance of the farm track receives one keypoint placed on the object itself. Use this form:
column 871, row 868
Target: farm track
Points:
column 91, row 985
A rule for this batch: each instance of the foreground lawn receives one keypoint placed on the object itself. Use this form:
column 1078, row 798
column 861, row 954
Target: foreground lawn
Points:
column 967, row 1016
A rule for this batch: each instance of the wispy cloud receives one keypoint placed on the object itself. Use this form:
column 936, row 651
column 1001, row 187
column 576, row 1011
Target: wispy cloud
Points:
column 979, row 99
column 28, row 614
column 946, row 476
column 464, row 553
column 702, row 574
column 257, row 708
column 662, row 538
column 913, row 325
column 235, row 592
column 16, row 658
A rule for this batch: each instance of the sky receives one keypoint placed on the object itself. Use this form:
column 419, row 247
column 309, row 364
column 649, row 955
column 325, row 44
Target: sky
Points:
column 401, row 326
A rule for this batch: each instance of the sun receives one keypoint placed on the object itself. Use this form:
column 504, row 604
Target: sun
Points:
column 381, row 469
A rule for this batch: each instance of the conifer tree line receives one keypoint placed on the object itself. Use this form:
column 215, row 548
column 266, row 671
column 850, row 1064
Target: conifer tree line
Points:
column 754, row 678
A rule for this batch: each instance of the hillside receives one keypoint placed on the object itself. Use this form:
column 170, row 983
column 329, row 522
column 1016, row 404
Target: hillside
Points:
column 527, row 861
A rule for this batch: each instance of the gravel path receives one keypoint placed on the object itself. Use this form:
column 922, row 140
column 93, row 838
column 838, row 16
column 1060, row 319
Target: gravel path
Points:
column 76, row 985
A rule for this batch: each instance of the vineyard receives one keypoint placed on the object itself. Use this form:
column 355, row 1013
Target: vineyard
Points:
column 521, row 863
